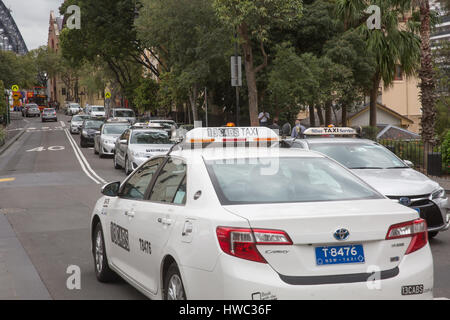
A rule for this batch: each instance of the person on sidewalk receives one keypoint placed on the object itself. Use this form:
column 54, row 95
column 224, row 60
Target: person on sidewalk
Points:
column 297, row 131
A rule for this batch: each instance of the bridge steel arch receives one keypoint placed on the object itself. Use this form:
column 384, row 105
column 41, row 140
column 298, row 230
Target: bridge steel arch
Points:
column 9, row 33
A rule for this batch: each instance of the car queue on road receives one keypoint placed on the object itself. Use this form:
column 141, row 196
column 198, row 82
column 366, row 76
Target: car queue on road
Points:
column 201, row 213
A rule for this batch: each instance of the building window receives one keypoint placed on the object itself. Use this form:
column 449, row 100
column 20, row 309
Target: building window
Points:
column 398, row 73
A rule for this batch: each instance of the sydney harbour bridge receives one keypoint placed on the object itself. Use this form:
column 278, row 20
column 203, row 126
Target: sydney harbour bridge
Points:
column 10, row 37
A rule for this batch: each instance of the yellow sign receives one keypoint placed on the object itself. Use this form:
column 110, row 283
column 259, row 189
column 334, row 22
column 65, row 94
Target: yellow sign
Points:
column 108, row 95
column 15, row 88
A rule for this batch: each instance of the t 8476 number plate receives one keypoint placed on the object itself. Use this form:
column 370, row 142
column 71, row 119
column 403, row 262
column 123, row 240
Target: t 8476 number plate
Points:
column 339, row 254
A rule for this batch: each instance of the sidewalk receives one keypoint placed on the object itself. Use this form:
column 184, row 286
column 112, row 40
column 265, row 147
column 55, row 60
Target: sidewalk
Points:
column 14, row 130
column 19, row 279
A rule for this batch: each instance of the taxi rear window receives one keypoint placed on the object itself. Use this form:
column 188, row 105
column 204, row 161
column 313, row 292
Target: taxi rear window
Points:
column 288, row 179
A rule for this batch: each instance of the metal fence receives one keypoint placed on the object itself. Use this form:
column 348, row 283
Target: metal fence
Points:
column 412, row 150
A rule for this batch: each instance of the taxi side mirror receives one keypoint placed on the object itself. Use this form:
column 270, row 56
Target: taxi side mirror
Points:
column 409, row 163
column 111, row 189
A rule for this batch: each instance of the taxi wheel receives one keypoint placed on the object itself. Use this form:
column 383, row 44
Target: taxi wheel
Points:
column 174, row 289
column 127, row 166
column 432, row 234
column 102, row 270
column 116, row 165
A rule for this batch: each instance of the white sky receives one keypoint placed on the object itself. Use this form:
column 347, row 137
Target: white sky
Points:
column 32, row 18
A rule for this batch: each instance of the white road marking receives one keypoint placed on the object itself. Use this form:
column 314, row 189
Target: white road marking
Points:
column 83, row 167
column 62, row 124
column 86, row 163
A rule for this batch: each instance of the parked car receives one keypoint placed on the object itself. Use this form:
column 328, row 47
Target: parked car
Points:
column 74, row 108
column 96, row 111
column 88, row 131
column 122, row 114
column 77, row 122
column 137, row 145
column 384, row 171
column 105, row 140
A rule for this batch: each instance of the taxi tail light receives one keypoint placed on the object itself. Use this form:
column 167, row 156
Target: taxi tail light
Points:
column 416, row 229
column 242, row 243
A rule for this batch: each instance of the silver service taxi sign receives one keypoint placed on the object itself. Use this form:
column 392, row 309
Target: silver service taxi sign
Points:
column 331, row 130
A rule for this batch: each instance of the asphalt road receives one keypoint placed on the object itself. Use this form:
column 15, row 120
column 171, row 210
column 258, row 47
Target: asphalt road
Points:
column 48, row 205
column 47, row 197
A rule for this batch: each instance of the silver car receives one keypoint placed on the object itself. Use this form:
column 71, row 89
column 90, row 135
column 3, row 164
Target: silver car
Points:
column 31, row 110
column 49, row 114
column 122, row 114
column 387, row 173
column 105, row 141
column 96, row 111
column 136, row 146
column 76, row 122
column 73, row 108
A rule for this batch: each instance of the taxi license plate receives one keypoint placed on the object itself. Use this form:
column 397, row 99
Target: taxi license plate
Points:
column 339, row 254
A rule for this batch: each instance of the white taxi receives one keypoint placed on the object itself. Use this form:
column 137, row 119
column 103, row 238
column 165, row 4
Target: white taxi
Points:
column 222, row 216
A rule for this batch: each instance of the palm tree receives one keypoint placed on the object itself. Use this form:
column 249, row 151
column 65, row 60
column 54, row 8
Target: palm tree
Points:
column 427, row 82
column 393, row 45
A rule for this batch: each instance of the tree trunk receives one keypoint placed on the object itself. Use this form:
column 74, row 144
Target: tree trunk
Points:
column 427, row 84
column 193, row 101
column 373, row 100
column 312, row 118
column 344, row 116
column 320, row 115
column 328, row 112
column 250, row 73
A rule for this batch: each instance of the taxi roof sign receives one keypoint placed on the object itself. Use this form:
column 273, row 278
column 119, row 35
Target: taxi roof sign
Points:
column 231, row 134
column 319, row 131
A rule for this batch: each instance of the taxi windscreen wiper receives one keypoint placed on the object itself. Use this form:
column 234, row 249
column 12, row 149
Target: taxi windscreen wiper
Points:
column 397, row 167
column 365, row 168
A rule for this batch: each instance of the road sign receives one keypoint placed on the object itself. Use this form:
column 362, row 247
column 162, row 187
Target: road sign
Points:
column 236, row 71
column 108, row 95
column 15, row 88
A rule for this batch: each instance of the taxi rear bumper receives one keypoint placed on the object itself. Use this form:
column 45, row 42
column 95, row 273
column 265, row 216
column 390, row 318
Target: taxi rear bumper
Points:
column 235, row 278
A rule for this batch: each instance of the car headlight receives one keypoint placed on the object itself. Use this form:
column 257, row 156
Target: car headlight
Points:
column 84, row 133
column 438, row 194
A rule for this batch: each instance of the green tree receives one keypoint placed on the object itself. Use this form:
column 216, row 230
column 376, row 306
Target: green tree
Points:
column 107, row 32
column 146, row 96
column 190, row 43
column 391, row 45
column 253, row 21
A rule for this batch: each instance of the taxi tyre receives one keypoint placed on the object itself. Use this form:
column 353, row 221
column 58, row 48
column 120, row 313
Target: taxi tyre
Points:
column 105, row 274
column 127, row 166
column 173, row 276
column 116, row 165
column 432, row 234
column 83, row 143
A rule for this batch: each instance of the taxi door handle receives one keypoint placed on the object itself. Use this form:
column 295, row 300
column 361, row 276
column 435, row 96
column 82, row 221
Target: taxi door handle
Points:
column 129, row 214
column 165, row 221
